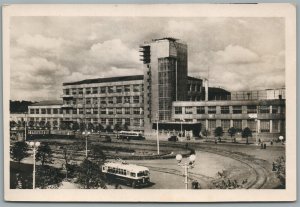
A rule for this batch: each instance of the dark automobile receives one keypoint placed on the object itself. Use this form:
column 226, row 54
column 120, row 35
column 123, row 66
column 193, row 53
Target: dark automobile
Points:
column 173, row 139
column 105, row 138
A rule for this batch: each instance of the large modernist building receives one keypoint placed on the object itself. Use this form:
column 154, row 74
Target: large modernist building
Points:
column 165, row 94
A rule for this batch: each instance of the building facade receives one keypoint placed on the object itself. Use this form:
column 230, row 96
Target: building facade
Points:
column 164, row 94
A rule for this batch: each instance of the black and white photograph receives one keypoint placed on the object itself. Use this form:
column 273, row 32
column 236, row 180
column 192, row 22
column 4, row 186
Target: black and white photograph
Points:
column 194, row 101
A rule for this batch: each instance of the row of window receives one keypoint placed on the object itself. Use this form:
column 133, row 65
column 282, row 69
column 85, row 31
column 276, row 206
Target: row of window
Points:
column 251, row 109
column 104, row 89
column 46, row 111
column 106, row 100
column 265, row 125
column 104, row 111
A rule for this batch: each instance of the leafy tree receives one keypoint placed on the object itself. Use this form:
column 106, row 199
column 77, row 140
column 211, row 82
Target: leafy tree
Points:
column 82, row 127
column 63, row 125
column 219, row 132
column 246, row 133
column 90, row 127
column 31, row 123
column 117, row 127
column 44, row 154
column 89, row 175
column 42, row 123
column 75, row 126
column 125, row 127
column 232, row 131
column 19, row 124
column 108, row 128
column 205, row 133
column 48, row 125
column 55, row 124
column 96, row 153
column 279, row 168
column 12, row 124
column 19, row 151
column 47, row 175
column 99, row 127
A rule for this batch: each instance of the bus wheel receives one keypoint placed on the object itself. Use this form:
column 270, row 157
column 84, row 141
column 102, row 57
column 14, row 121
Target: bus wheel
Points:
column 133, row 184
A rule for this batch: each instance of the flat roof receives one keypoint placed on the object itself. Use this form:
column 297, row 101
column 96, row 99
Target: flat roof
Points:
column 48, row 103
column 105, row 80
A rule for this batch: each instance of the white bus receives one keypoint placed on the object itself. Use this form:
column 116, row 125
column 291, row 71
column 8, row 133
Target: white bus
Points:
column 129, row 174
column 131, row 135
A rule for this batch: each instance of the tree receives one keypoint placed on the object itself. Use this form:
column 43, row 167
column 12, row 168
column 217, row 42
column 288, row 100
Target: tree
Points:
column 12, row 124
column 117, row 127
column 55, row 124
column 89, row 175
column 47, row 175
column 126, row 127
column 246, row 133
column 19, row 151
column 42, row 124
column 75, row 126
column 44, row 154
column 63, row 126
column 82, row 127
column 31, row 123
column 108, row 128
column 219, row 132
column 232, row 132
column 96, row 153
column 205, row 133
column 48, row 125
column 90, row 127
column 99, row 127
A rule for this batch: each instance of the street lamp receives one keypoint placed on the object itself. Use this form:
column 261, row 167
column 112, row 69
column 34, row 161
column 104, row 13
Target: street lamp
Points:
column 187, row 165
column 34, row 146
column 281, row 138
column 86, row 134
column 157, row 117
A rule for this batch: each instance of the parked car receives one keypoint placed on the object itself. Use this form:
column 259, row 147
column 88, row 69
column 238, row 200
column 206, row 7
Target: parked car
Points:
column 173, row 139
column 105, row 138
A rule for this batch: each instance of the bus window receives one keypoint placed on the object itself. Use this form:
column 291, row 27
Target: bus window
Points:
column 132, row 174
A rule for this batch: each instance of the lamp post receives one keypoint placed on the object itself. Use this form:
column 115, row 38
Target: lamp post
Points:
column 281, row 139
column 157, row 117
column 187, row 165
column 86, row 134
column 34, row 146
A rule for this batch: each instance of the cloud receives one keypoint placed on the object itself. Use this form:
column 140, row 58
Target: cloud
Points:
column 39, row 42
column 235, row 54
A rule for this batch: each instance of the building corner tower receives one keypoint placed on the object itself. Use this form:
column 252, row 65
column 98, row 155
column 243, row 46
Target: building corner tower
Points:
column 165, row 78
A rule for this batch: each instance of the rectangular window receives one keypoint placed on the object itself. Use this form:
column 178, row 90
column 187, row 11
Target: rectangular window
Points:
column 225, row 124
column 251, row 109
column 136, row 111
column 67, row 91
column 136, row 99
column 200, row 110
column 127, row 88
column 31, row 111
column 136, row 122
column 110, row 100
column 103, row 111
column 48, row 111
column 275, row 126
column 136, row 88
column 237, row 109
column 103, row 89
column 60, row 111
column 211, row 110
column 43, row 111
column 88, row 111
column 88, row 101
column 274, row 109
column 95, row 110
column 127, row 110
column 87, row 90
column 55, row 111
column 119, row 99
column 264, row 125
column 211, row 125
column 95, row 90
column 103, row 121
column 188, row 110
column 74, row 91
column 251, row 124
column 119, row 121
column 119, row 89
column 127, row 99
column 118, row 110
column 264, row 109
column 80, row 91
column 224, row 109
column 110, row 111
column 110, row 121
column 127, row 121
column 110, row 89
column 237, row 124
column 103, row 100
column 95, row 101
column 178, row 110
column 37, row 111
column 80, row 111
column 74, row 111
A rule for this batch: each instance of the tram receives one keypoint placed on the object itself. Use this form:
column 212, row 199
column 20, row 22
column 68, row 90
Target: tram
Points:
column 130, row 135
column 128, row 174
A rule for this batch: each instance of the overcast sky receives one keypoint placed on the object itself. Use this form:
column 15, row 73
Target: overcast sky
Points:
column 239, row 53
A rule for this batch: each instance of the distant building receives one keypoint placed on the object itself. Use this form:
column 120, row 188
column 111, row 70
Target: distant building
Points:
column 165, row 94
